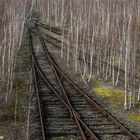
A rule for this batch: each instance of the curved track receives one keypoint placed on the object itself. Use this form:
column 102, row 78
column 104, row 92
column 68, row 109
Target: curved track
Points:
column 65, row 33
column 65, row 111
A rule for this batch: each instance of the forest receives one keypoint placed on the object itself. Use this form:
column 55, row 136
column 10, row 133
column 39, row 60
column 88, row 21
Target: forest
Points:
column 105, row 34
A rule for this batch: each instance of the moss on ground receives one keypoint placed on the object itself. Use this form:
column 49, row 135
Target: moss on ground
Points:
column 19, row 88
column 135, row 117
column 114, row 96
column 8, row 109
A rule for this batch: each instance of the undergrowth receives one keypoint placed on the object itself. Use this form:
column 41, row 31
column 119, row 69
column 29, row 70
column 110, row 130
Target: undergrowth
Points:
column 17, row 101
column 114, row 96
column 135, row 117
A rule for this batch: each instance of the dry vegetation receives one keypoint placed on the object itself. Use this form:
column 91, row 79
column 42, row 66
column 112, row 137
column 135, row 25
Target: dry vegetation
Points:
column 104, row 32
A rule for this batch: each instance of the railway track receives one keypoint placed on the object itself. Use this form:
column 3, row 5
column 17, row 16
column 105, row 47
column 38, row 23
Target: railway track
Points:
column 66, row 32
column 65, row 111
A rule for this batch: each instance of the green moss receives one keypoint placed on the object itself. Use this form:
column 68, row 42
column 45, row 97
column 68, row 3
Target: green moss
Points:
column 19, row 87
column 9, row 112
column 18, row 83
column 19, row 92
column 135, row 117
column 114, row 96
column 11, row 107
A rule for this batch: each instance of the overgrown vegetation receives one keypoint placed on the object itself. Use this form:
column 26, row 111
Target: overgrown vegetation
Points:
column 103, row 34
column 135, row 117
column 113, row 95
column 14, row 109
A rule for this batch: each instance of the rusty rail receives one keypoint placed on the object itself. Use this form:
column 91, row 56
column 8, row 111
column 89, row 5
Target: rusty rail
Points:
column 36, row 90
column 67, row 103
column 75, row 114
column 92, row 102
column 59, row 32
